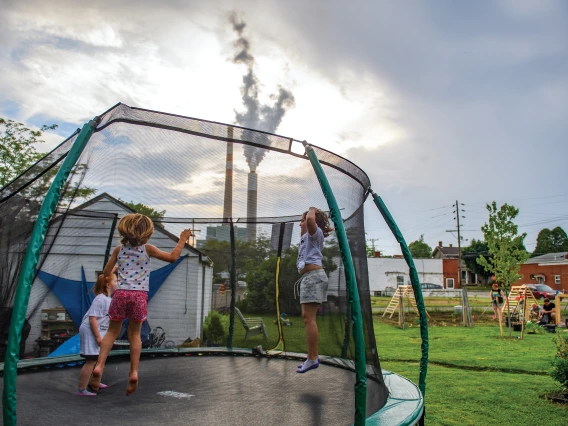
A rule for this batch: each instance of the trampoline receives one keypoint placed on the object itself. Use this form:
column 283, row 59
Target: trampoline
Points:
column 244, row 191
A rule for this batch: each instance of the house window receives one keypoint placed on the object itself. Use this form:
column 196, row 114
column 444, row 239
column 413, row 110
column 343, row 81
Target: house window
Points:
column 399, row 280
column 449, row 283
column 464, row 277
column 557, row 279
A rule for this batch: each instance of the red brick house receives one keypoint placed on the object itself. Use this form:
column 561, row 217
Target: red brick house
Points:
column 450, row 257
column 550, row 269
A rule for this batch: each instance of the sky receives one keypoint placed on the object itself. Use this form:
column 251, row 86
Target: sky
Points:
column 437, row 102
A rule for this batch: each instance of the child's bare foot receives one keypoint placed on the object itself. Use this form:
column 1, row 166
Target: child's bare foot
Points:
column 95, row 381
column 132, row 383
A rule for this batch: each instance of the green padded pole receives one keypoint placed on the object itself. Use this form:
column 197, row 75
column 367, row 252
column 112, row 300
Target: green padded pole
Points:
column 28, row 269
column 415, row 287
column 351, row 281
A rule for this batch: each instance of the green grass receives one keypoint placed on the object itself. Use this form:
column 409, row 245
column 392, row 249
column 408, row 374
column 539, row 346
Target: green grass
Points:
column 479, row 346
column 476, row 377
column 462, row 397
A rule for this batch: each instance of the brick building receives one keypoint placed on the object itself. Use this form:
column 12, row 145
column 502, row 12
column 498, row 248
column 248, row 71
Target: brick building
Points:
column 550, row 269
column 450, row 259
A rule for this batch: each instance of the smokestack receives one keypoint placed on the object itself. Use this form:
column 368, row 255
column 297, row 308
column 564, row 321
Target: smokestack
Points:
column 252, row 194
column 228, row 203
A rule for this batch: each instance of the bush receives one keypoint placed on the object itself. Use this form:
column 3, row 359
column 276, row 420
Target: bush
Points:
column 560, row 363
column 216, row 327
column 534, row 328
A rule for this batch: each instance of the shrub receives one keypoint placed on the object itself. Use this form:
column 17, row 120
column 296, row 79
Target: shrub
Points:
column 560, row 363
column 534, row 328
column 215, row 327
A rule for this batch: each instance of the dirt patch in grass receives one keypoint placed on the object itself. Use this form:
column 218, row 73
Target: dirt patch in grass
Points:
column 440, row 319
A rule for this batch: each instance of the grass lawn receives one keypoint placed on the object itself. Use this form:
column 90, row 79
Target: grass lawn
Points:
column 469, row 379
column 475, row 377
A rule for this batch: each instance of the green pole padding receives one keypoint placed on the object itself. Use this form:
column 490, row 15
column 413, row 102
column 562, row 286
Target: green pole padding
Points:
column 28, row 269
column 351, row 281
column 415, row 287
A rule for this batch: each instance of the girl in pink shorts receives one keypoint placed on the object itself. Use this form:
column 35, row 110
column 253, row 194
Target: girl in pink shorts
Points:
column 130, row 299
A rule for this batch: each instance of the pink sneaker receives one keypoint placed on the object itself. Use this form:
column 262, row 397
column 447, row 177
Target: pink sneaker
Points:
column 103, row 386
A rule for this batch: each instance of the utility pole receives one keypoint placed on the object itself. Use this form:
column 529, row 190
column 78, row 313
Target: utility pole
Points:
column 459, row 245
column 372, row 240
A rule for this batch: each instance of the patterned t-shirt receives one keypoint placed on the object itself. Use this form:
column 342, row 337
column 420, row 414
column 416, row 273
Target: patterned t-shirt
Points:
column 133, row 268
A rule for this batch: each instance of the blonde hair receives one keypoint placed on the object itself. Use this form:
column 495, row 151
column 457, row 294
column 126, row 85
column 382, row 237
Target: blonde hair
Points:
column 135, row 229
column 102, row 284
column 322, row 221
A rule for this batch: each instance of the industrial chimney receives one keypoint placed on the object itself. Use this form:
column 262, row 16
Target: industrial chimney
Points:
column 228, row 201
column 252, row 194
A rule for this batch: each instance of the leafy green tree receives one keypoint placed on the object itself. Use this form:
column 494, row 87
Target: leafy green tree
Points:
column 261, row 281
column 551, row 241
column 470, row 254
column 247, row 255
column 144, row 209
column 419, row 249
column 505, row 245
column 17, row 148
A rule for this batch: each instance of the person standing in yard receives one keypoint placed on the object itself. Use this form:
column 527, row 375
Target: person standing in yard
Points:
column 314, row 227
column 497, row 298
column 131, row 297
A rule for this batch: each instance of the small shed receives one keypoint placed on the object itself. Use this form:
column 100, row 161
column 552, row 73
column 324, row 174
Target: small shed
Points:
column 76, row 248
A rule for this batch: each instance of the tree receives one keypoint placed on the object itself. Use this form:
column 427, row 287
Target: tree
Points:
column 551, row 241
column 505, row 245
column 419, row 249
column 17, row 148
column 470, row 254
column 144, row 209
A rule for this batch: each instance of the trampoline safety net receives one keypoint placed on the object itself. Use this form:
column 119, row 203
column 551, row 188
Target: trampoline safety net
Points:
column 242, row 192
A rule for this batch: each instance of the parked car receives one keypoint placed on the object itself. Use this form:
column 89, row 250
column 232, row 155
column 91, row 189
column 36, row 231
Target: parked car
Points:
column 542, row 291
column 430, row 286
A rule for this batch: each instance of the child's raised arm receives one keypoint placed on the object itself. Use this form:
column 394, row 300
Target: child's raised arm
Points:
column 311, row 221
column 174, row 254
column 110, row 266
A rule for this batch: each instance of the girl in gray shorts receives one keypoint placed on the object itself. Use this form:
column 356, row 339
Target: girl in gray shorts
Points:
column 313, row 282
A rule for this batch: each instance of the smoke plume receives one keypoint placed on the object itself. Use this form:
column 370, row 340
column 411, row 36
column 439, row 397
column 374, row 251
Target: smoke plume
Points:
column 256, row 116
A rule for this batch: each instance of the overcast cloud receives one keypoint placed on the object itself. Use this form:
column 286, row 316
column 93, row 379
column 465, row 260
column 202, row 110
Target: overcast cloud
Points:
column 436, row 101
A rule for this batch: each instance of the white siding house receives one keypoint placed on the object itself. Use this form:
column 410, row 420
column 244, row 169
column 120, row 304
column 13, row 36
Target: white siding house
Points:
column 180, row 304
column 391, row 272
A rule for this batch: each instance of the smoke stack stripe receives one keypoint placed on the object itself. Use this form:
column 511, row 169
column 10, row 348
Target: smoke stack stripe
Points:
column 252, row 194
column 228, row 203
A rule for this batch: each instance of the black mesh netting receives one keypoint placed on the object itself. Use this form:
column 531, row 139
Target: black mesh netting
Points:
column 176, row 170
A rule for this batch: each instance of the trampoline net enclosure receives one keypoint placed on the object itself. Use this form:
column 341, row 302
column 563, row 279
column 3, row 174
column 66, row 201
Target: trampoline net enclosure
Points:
column 220, row 181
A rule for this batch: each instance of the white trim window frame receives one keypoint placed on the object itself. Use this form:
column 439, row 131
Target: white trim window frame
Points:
column 557, row 279
column 448, row 281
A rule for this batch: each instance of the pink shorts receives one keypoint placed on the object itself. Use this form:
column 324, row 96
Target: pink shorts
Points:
column 131, row 304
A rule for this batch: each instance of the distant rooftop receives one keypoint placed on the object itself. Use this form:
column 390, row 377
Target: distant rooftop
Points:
column 549, row 258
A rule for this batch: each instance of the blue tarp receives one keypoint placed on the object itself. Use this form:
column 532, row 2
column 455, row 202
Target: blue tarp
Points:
column 76, row 298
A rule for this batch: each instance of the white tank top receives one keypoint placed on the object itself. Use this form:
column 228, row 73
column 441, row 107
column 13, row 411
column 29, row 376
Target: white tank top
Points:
column 133, row 268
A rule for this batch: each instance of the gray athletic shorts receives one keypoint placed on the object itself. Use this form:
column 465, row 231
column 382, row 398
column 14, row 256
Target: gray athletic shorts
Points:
column 313, row 287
